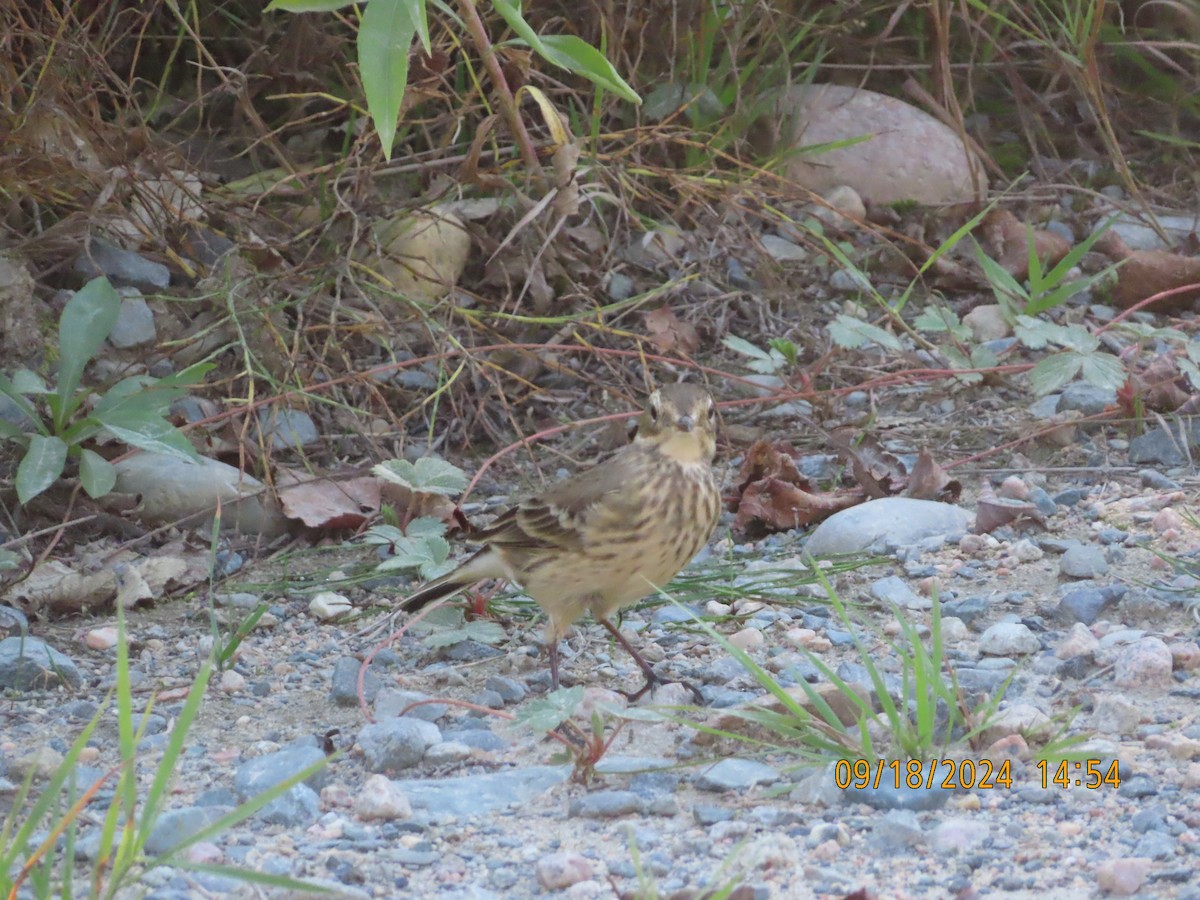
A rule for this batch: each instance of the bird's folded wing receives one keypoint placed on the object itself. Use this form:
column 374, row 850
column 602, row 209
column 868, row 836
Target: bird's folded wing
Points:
column 560, row 517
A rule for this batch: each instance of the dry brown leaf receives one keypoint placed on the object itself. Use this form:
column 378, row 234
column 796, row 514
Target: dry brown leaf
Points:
column 332, row 504
column 992, row 512
column 774, row 505
column 878, row 471
column 670, row 334
column 929, row 481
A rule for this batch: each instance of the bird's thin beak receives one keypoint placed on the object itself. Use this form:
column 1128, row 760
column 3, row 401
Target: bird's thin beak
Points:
column 685, row 423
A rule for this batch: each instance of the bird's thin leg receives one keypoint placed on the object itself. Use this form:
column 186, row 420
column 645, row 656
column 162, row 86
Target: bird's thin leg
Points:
column 552, row 647
column 652, row 677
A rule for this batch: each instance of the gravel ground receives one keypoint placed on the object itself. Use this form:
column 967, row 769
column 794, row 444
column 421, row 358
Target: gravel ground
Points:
column 451, row 802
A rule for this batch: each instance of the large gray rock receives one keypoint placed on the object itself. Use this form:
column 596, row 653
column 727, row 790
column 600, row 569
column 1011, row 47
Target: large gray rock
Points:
column 888, row 522
column 27, row 663
column 908, row 154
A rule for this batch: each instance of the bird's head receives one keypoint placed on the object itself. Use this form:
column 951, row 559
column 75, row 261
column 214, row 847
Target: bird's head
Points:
column 679, row 421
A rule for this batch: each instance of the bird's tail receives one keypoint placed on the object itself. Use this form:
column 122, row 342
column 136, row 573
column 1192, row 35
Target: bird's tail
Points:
column 483, row 565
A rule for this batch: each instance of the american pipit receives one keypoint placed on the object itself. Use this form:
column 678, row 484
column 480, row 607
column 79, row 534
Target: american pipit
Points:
column 608, row 536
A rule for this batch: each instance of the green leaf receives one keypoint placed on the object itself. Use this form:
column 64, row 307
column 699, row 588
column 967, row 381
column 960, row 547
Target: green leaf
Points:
column 428, row 475
column 480, row 630
column 784, row 348
column 385, row 36
column 578, row 56
column 41, row 466
column 567, row 52
column 86, row 321
column 150, row 432
column 939, row 318
column 1103, row 370
column 959, row 361
column 547, row 713
column 1037, row 333
column 96, row 473
column 28, row 382
column 849, row 332
column 425, row 526
column 744, row 347
column 1055, row 371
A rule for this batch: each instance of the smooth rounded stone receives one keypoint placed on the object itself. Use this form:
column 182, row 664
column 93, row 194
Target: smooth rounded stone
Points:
column 135, row 322
column 706, row 814
column 481, row 794
column 287, row 429
column 719, row 697
column 987, row 323
column 392, row 703
column 1026, row 551
column 381, row 800
column 969, row 610
column 619, row 286
column 1024, row 719
column 890, row 521
column 1071, row 496
column 1138, row 786
column 396, row 744
column 475, row 738
column 123, row 268
column 915, row 157
column 13, row 622
column 421, row 252
column 897, row 830
column 781, row 249
column 959, row 835
column 895, row 591
column 1087, row 398
column 1139, row 235
column 343, row 688
column 1043, row 501
column 1083, row 561
column 489, row 699
column 1079, row 641
column 1156, row 846
column 175, row 826
column 669, row 613
column 30, row 664
column 1152, row 478
column 556, row 871
column 1185, row 655
column 328, row 605
column 733, row 774
column 1045, row 407
column 1124, row 876
column 298, row 806
column 888, row 796
column 264, row 772
column 1162, row 446
column 509, row 689
column 1150, row 818
column 1009, row 639
column 1087, row 604
column 980, row 681
column 470, row 651
column 447, row 753
column 1109, row 536
column 185, row 492
column 1144, row 665
column 604, row 805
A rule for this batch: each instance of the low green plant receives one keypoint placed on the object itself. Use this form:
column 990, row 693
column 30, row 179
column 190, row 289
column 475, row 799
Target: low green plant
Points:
column 57, row 422
column 39, row 835
column 418, row 543
column 389, row 28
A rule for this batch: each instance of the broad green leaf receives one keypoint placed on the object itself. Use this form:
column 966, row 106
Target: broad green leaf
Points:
column 744, row 347
column 41, row 466
column 982, row 357
column 28, row 382
column 939, row 318
column 193, row 374
column 1037, row 333
column 86, row 321
column 547, row 713
column 958, row 362
column 21, row 402
column 385, row 36
column 480, row 630
column 847, row 331
column 1055, row 371
column 578, row 56
column 10, row 432
column 149, row 432
column 568, row 52
column 96, row 474
column 425, row 526
column 1103, row 370
column 784, row 348
column 428, row 475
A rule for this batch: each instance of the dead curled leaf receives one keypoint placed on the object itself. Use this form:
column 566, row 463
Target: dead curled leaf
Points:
column 772, row 495
column 1144, row 273
column 667, row 332
column 929, row 481
column 992, row 511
